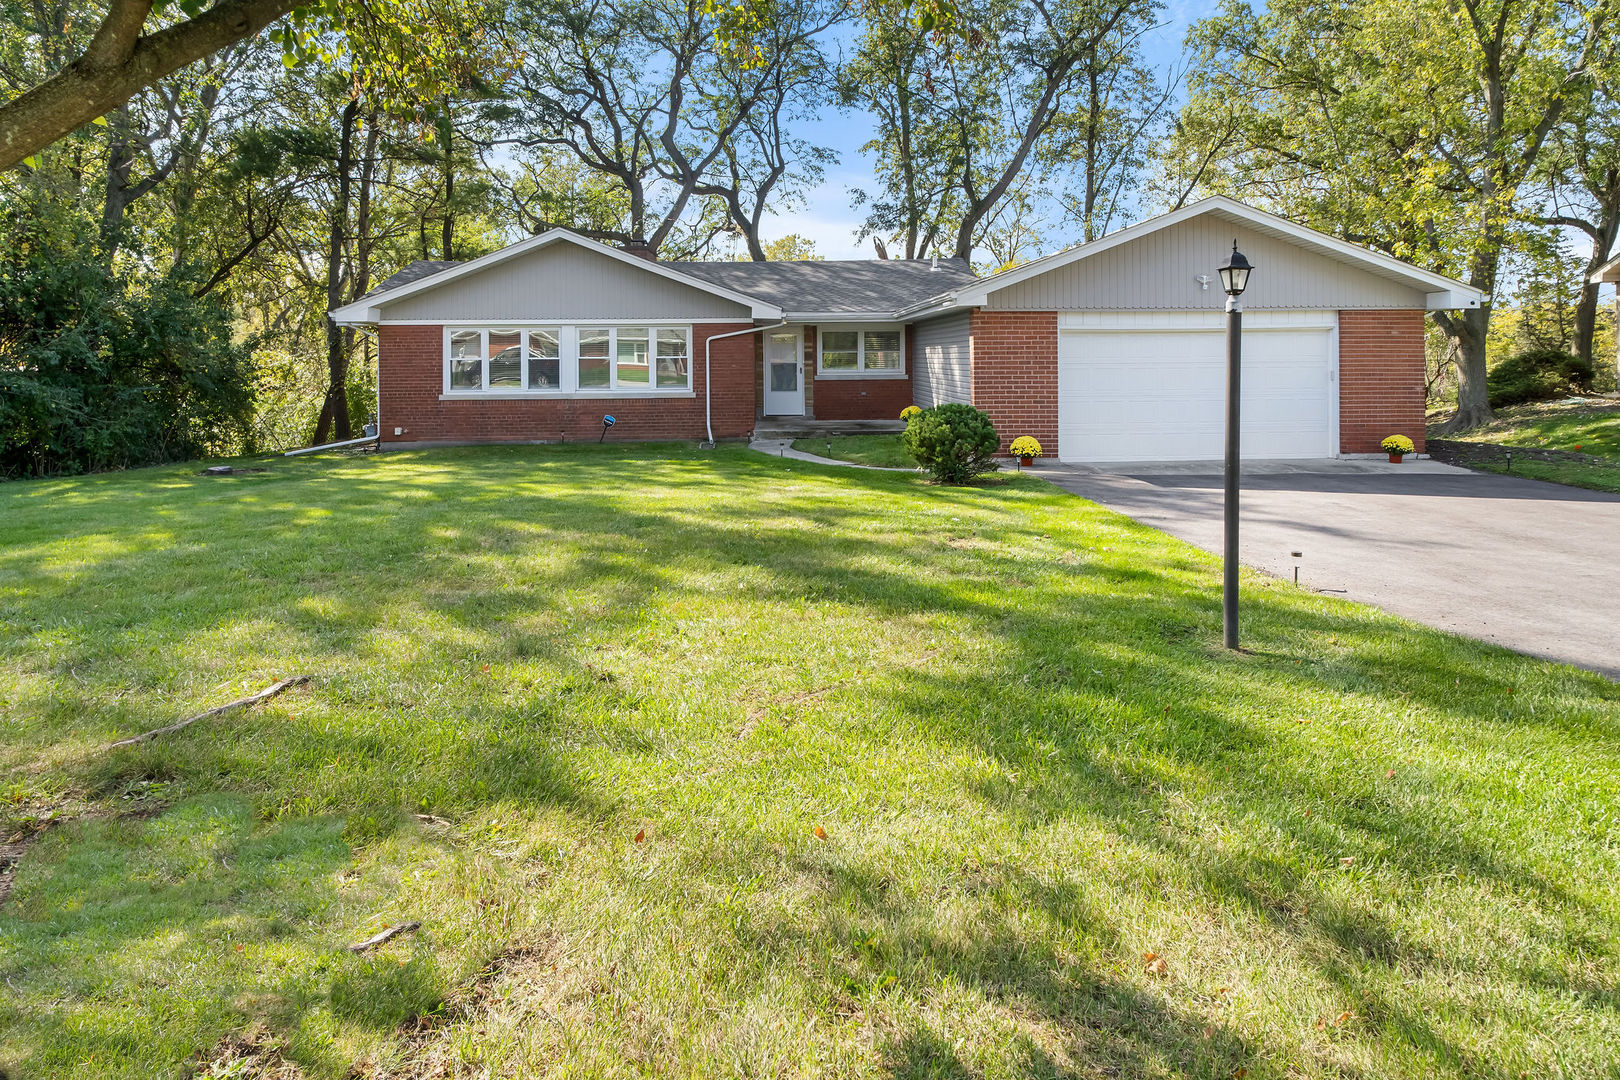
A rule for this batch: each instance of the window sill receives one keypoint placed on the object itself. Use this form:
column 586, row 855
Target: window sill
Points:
column 863, row 376
column 559, row 395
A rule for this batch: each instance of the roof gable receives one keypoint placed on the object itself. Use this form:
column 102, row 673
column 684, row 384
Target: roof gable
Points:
column 455, row 280
column 1437, row 291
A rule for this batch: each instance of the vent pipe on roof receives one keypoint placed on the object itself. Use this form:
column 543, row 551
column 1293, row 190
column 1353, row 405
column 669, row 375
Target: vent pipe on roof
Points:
column 934, row 265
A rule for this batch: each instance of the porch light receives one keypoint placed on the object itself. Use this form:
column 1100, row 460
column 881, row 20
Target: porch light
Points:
column 1234, row 272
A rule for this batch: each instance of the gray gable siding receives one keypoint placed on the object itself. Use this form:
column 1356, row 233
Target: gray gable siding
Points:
column 941, row 364
column 561, row 281
column 1159, row 271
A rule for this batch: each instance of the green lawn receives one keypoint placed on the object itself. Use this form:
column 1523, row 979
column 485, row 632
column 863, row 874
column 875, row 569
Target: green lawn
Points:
column 1591, row 427
column 887, row 451
column 714, row 764
column 1598, row 476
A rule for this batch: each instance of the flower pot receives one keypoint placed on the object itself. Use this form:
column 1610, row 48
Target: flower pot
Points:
column 1025, row 462
column 1396, row 458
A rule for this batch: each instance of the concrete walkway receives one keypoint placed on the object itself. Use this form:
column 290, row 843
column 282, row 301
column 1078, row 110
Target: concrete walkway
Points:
column 1521, row 563
column 784, row 448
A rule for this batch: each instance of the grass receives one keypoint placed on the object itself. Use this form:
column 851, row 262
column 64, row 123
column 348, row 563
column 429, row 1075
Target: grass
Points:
column 717, row 764
column 886, row 451
column 1591, row 426
column 1597, row 476
column 1586, row 427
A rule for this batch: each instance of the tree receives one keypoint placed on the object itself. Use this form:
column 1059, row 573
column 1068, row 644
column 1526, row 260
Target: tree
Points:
column 1106, row 142
column 1425, row 152
column 961, row 125
column 404, row 48
column 638, row 92
column 1583, row 171
column 103, row 368
column 121, row 58
column 790, row 248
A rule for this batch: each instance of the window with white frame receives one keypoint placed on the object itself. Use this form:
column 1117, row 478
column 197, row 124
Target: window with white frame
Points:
column 567, row 359
column 858, row 350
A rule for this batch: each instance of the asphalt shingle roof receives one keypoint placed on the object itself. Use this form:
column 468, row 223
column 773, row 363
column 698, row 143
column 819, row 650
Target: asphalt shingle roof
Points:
column 415, row 271
column 864, row 285
column 826, row 286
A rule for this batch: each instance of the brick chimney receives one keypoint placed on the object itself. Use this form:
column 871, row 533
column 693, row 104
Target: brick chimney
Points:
column 638, row 247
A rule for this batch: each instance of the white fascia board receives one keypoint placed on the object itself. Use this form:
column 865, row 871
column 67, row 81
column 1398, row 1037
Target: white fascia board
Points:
column 366, row 311
column 1452, row 299
column 1436, row 286
column 1609, row 271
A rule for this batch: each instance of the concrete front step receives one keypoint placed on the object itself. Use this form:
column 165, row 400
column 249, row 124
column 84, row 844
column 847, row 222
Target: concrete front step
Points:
column 795, row 427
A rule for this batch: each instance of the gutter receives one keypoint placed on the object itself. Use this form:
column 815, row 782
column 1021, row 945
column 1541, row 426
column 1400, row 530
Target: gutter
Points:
column 376, row 434
column 945, row 301
column 708, row 384
column 332, row 445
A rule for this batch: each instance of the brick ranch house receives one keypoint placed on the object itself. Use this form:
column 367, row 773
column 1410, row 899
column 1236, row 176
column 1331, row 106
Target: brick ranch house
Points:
column 1109, row 351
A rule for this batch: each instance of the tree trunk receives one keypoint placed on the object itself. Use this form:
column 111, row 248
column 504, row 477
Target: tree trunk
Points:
column 120, row 160
column 1467, row 330
column 333, row 425
column 363, row 239
column 447, row 133
column 1603, row 232
column 1586, row 320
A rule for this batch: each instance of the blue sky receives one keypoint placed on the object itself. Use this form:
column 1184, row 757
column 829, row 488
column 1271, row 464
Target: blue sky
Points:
column 827, row 217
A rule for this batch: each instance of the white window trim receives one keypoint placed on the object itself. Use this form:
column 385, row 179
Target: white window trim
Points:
column 860, row 371
column 568, row 362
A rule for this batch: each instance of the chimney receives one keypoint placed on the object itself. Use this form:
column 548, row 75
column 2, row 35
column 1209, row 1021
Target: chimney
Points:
column 639, row 248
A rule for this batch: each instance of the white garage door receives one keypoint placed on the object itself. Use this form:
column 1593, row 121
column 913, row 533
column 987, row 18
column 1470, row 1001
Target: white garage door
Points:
column 1157, row 392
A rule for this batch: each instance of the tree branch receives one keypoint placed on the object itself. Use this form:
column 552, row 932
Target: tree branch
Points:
column 115, row 65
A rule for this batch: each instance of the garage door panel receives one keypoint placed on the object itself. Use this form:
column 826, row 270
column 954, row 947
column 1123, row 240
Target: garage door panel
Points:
column 1142, row 395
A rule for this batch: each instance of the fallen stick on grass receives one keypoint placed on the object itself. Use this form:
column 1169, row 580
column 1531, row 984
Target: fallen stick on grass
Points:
column 240, row 703
column 386, row 935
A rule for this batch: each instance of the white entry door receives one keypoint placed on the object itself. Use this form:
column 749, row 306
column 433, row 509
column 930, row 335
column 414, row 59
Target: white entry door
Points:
column 1153, row 392
column 784, row 373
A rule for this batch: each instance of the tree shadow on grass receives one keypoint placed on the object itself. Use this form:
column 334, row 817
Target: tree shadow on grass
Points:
column 1106, row 698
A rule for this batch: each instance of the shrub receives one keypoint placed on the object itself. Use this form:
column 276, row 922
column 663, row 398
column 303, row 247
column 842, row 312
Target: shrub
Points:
column 954, row 442
column 103, row 368
column 1538, row 375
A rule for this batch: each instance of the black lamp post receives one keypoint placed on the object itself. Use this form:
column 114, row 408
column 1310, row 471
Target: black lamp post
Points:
column 1234, row 279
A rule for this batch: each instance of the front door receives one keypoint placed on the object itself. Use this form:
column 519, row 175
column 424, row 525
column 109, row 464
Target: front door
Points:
column 784, row 373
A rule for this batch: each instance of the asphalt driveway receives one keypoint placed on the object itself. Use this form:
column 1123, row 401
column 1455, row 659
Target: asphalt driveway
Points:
column 1525, row 564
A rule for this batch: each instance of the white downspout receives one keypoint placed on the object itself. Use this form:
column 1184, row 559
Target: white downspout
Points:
column 708, row 418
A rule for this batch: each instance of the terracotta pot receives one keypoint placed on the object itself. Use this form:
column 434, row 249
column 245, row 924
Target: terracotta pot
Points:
column 1025, row 462
column 1396, row 458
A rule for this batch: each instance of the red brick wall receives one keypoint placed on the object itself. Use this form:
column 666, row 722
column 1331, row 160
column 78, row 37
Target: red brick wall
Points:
column 853, row 399
column 411, row 370
column 1014, row 364
column 1381, row 379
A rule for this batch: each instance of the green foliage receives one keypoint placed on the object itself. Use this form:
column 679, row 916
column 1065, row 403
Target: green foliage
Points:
column 955, row 442
column 792, row 248
column 1539, row 375
column 103, row 369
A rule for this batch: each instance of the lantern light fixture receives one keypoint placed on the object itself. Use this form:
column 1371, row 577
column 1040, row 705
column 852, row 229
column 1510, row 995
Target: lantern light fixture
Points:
column 1234, row 272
